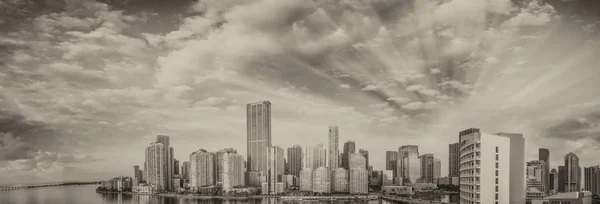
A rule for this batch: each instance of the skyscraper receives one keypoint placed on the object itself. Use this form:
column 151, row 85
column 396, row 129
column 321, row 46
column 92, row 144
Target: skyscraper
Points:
column 562, row 175
column 553, row 182
column 573, row 173
column 390, row 161
column 359, row 181
column 321, row 180
column 453, row 160
column 411, row 169
column 349, row 148
column 365, row 154
column 334, row 149
column 236, row 169
column 258, row 120
column 219, row 162
column 185, row 169
column 308, row 157
column 275, row 164
column 340, row 180
column 202, row 169
column 168, row 163
column 427, row 164
column 156, row 166
column 357, row 161
column 591, row 179
column 492, row 168
column 408, row 151
column 294, row 156
column 175, row 166
column 437, row 169
column 137, row 173
column 319, row 156
column 535, row 175
column 544, row 155
column 279, row 163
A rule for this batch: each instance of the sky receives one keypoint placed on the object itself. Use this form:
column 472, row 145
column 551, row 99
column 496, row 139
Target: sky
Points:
column 86, row 85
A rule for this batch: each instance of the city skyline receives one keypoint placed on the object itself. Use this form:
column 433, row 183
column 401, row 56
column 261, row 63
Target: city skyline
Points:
column 86, row 86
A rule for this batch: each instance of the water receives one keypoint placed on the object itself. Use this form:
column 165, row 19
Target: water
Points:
column 86, row 194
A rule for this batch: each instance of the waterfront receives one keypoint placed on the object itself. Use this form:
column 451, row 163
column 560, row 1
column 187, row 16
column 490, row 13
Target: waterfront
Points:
column 87, row 194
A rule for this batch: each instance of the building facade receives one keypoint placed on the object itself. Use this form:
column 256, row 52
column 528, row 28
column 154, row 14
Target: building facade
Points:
column 294, row 158
column 334, row 149
column 390, row 161
column 155, row 164
column 202, row 169
column 340, row 180
column 591, row 180
column 349, row 148
column 573, row 173
column 359, row 181
column 490, row 169
column 427, row 164
column 387, row 178
column 185, row 169
column 544, row 155
column 321, row 180
column 553, row 180
column 365, row 154
column 169, row 160
column 306, row 180
column 453, row 159
column 258, row 120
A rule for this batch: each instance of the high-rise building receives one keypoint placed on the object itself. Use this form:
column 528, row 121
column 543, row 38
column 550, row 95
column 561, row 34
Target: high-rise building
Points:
column 185, row 169
column 156, row 165
column 562, row 175
column 357, row 161
column 427, row 164
column 591, row 179
column 258, row 120
column 406, row 151
column 219, row 162
column 437, row 169
column 359, row 181
column 319, row 156
column 365, row 154
column 349, row 148
column 553, row 181
column 168, row 163
column 308, row 157
column 321, row 180
column 137, row 174
column 306, row 179
column 294, row 157
column 387, row 177
column 175, row 166
column 279, row 163
column 236, row 169
column 340, row 180
column 411, row 169
column 202, row 169
column 535, row 175
column 390, row 161
column 275, row 164
column 492, row 167
column 334, row 149
column 453, row 160
column 573, row 173
column 544, row 155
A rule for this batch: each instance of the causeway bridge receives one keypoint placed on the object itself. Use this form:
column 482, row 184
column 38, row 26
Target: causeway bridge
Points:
column 404, row 200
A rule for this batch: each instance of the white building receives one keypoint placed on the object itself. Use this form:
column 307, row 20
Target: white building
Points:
column 321, row 180
column 492, row 167
column 340, row 180
column 306, row 179
column 359, row 181
column 155, row 164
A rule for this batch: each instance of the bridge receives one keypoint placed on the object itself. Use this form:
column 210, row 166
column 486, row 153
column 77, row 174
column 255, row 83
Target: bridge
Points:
column 403, row 200
column 9, row 188
column 12, row 188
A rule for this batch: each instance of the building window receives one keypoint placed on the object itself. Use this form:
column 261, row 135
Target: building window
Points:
column 496, row 165
column 496, row 180
column 497, row 149
column 496, row 196
column 496, row 157
column 496, row 189
column 496, row 172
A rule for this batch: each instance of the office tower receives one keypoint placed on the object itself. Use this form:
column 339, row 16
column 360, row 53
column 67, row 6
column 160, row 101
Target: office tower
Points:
column 258, row 120
column 306, row 179
column 427, row 161
column 185, row 169
column 390, row 161
column 255, row 178
column 411, row 169
column 340, row 180
column 562, row 175
column 280, row 163
column 294, row 156
column 387, row 177
column 349, row 148
column 406, row 151
column 573, row 173
column 544, row 155
column 236, row 169
column 365, row 154
column 168, row 163
column 218, row 165
column 357, row 161
column 535, row 188
column 223, row 172
column 321, row 180
column 155, row 164
column 175, row 166
column 319, row 156
column 275, row 164
column 334, row 149
column 453, row 160
column 437, row 169
column 308, row 157
column 136, row 173
column 492, row 167
column 535, row 170
column 359, row 181
column 201, row 169
column 553, row 181
column 591, row 179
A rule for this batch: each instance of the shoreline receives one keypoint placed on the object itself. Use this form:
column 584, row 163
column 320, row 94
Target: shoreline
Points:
column 284, row 197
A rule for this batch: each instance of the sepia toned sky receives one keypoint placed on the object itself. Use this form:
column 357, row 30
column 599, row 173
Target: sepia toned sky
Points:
column 86, row 85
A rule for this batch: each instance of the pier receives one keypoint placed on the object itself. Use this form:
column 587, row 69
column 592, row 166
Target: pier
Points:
column 403, row 200
column 9, row 188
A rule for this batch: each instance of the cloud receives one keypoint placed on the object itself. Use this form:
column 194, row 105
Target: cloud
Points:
column 400, row 100
column 435, row 71
column 413, row 106
column 422, row 90
column 345, row 86
column 535, row 13
column 370, row 88
column 13, row 148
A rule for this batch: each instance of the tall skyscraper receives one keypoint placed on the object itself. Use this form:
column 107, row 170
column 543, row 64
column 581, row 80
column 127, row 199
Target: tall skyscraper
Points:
column 349, row 148
column 408, row 151
column 492, row 168
column 219, row 162
column 553, row 182
column 334, row 149
column 236, row 169
column 308, row 157
column 137, row 173
column 202, row 169
column 562, row 178
column 275, row 164
column 319, row 156
column 156, row 166
column 258, row 120
column 340, row 180
column 437, row 169
column 175, row 166
column 168, row 163
column 535, row 175
column 321, row 180
column 573, row 176
column 390, row 161
column 365, row 154
column 591, row 180
column 544, row 155
column 453, row 160
column 411, row 169
column 279, row 163
column 427, row 164
column 359, row 181
column 294, row 156
column 185, row 169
